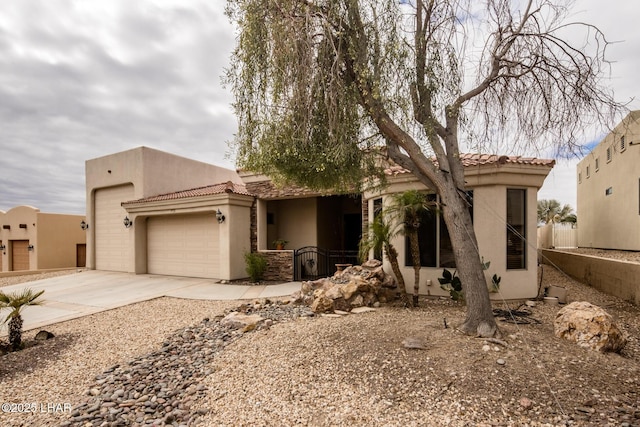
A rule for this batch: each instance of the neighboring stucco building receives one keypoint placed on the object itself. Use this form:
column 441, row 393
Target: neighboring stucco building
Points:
column 34, row 240
column 202, row 221
column 608, row 196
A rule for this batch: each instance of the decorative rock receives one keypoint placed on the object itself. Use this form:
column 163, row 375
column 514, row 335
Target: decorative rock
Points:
column 414, row 343
column 526, row 403
column 590, row 327
column 44, row 335
column 237, row 320
column 355, row 286
column 161, row 387
column 358, row 310
column 501, row 361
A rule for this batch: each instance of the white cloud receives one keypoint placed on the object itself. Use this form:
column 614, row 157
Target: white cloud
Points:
column 83, row 79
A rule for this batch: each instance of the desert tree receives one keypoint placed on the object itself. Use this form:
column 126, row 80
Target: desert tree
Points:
column 321, row 85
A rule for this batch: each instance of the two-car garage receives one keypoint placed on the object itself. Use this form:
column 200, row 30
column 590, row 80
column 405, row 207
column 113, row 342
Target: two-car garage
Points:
column 183, row 245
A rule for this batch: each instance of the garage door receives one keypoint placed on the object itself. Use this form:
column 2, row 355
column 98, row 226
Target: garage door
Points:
column 183, row 245
column 112, row 238
column 20, row 255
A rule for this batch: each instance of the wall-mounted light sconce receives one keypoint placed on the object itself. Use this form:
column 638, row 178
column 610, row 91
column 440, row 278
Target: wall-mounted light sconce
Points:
column 2, row 247
column 127, row 222
column 30, row 248
column 84, row 225
column 219, row 216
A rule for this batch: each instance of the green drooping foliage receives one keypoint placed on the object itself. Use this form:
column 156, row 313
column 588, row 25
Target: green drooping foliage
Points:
column 301, row 118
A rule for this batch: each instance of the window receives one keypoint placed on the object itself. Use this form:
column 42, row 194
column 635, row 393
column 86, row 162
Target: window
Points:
column 579, row 177
column 516, row 229
column 597, row 164
column 434, row 241
column 608, row 154
column 608, row 191
column 588, row 171
column 622, row 144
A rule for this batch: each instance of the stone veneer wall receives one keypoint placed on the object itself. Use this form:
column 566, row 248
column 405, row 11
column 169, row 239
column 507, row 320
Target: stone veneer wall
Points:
column 279, row 265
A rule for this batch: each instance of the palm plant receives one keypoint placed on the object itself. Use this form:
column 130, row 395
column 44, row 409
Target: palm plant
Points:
column 553, row 211
column 377, row 239
column 408, row 208
column 17, row 301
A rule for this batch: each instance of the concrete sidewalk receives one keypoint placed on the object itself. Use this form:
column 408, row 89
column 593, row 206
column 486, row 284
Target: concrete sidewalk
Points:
column 87, row 292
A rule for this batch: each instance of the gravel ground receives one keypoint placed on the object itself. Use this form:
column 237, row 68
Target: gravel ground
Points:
column 351, row 370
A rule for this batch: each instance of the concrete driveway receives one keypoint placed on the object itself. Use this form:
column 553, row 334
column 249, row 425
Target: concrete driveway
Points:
column 87, row 292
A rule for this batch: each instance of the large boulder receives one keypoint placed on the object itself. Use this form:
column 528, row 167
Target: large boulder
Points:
column 355, row 286
column 590, row 327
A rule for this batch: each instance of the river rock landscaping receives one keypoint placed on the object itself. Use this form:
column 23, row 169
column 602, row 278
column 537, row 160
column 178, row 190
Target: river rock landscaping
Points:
column 208, row 363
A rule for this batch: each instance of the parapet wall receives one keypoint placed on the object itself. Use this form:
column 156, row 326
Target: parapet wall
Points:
column 617, row 278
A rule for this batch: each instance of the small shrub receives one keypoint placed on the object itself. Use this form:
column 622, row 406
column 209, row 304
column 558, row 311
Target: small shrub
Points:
column 256, row 265
column 452, row 284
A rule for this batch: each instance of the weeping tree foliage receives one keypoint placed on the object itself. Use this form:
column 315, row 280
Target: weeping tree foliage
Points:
column 321, row 85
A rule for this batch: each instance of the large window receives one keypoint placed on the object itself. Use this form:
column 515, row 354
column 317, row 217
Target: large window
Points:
column 436, row 249
column 516, row 229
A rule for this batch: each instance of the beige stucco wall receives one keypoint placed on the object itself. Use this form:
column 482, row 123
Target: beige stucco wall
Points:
column 611, row 221
column 54, row 237
column 151, row 172
column 489, row 185
column 295, row 221
column 618, row 278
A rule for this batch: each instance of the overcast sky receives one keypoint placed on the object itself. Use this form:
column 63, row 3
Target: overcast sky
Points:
column 83, row 79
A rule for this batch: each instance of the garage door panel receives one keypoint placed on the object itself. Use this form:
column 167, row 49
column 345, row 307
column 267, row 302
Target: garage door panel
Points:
column 112, row 238
column 183, row 245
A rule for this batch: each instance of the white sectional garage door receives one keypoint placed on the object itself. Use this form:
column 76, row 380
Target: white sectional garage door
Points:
column 183, row 245
column 112, row 238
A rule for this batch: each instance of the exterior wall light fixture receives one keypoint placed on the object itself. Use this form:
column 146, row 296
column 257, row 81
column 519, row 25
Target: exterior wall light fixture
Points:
column 2, row 247
column 30, row 248
column 127, row 222
column 219, row 216
column 84, row 225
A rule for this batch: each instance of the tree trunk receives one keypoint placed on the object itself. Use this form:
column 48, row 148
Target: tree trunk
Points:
column 479, row 317
column 392, row 255
column 15, row 332
column 415, row 257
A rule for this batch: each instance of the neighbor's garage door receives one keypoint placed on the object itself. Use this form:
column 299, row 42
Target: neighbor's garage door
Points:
column 20, row 255
column 183, row 245
column 112, row 238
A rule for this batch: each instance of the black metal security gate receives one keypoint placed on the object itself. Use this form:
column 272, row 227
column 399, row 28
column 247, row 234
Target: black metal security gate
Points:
column 312, row 262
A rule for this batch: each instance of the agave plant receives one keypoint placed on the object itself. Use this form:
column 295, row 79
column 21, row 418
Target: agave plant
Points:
column 16, row 302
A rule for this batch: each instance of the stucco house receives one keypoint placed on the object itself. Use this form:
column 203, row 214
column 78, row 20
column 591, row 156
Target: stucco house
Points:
column 34, row 240
column 163, row 214
column 608, row 196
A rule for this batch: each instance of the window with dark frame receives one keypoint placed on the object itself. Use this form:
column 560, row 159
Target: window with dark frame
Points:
column 516, row 229
column 434, row 241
